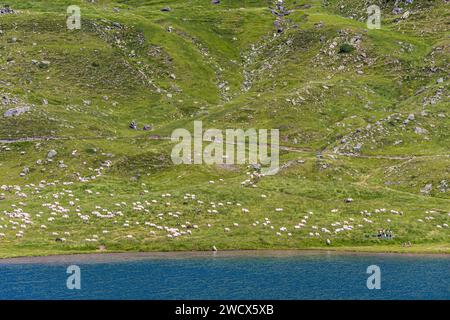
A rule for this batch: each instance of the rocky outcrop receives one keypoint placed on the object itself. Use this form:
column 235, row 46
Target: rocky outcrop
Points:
column 280, row 11
column 14, row 112
column 6, row 10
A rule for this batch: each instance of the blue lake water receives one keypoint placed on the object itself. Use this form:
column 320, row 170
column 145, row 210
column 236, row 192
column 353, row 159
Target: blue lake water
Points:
column 306, row 276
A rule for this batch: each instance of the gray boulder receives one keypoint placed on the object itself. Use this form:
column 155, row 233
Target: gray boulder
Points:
column 420, row 130
column 6, row 10
column 14, row 112
column 427, row 189
column 51, row 154
column 443, row 186
column 44, row 64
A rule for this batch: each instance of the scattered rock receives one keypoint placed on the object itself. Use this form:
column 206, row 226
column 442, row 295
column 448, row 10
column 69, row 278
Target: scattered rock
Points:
column 420, row 131
column 427, row 189
column 51, row 154
column 397, row 10
column 280, row 12
column 443, row 186
column 25, row 171
column 318, row 25
column 406, row 15
column 16, row 111
column 44, row 64
column 6, row 10
column 133, row 125
column 7, row 100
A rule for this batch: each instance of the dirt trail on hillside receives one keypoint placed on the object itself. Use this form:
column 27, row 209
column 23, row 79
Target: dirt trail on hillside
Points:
column 283, row 148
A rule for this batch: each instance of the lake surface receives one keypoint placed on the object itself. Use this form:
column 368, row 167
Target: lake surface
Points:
column 227, row 276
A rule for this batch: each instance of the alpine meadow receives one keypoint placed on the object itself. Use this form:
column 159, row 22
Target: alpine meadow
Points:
column 91, row 93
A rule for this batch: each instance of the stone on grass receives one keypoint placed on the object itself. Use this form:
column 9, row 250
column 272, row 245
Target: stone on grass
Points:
column 427, row 189
column 14, row 112
column 51, row 154
column 44, row 64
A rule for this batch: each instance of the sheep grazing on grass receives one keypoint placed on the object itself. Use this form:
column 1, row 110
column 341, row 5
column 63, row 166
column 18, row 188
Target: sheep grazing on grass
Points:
column 142, row 212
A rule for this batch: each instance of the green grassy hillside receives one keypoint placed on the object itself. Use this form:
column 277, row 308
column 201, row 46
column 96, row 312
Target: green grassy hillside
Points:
column 362, row 114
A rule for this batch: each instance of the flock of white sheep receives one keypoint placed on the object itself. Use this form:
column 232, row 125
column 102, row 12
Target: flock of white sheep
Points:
column 66, row 217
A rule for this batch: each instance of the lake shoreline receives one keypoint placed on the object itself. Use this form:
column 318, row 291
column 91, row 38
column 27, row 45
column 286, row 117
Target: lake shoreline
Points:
column 105, row 257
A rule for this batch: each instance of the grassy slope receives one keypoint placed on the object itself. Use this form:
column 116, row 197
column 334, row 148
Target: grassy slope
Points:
column 103, row 76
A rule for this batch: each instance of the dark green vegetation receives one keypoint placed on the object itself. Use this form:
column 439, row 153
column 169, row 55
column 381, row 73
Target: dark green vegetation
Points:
column 374, row 103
